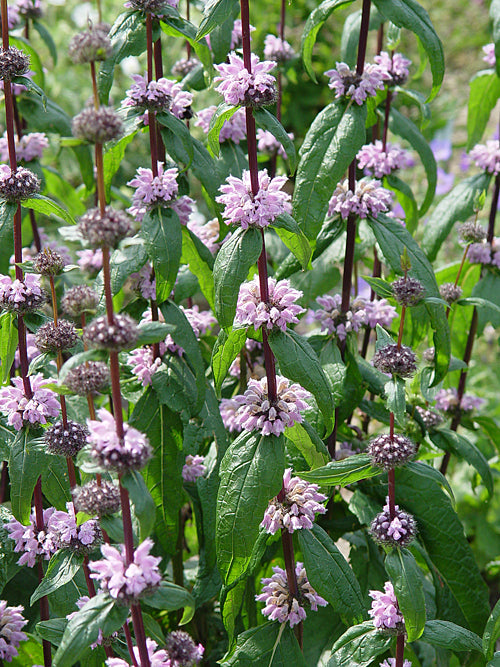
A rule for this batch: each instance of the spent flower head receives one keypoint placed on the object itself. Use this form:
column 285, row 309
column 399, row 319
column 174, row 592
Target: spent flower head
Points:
column 396, row 360
column 97, row 126
column 408, row 291
column 65, row 439
column 21, row 296
column 104, row 229
column 450, row 292
column 278, row 312
column 90, row 378
column 471, row 232
column 13, row 62
column 52, row 337
column 181, row 649
column 368, row 198
column 118, row 336
column 90, row 45
column 78, row 300
column 19, row 184
column 240, row 87
column 48, row 262
column 96, row 499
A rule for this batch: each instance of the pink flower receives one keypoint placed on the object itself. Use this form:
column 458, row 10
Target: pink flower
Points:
column 334, row 321
column 143, row 364
column 235, row 128
column 228, row 412
column 151, row 191
column 67, row 534
column 200, row 320
column 143, row 282
column 348, row 83
column 447, row 401
column 380, row 311
column 183, row 206
column 280, row 311
column 489, row 54
column 369, row 198
column 156, row 658
column 277, row 49
column 378, row 162
column 267, row 143
column 385, row 610
column 394, row 66
column 208, row 233
column 487, row 156
column 31, row 542
column 11, row 624
column 28, row 147
column 237, row 34
column 20, row 410
column 479, row 253
column 193, row 468
column 391, row 662
column 32, row 351
column 133, row 452
column 238, row 86
column 90, row 260
column 242, row 208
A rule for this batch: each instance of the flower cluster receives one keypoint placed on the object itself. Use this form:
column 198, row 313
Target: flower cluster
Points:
column 201, row 321
column 334, row 321
column 151, row 191
column 277, row 49
column 348, row 83
column 408, row 291
column 447, row 401
column 385, row 610
column 242, row 207
column 395, row 67
column 21, row 410
column 90, row 260
column 97, row 126
column 143, row 363
column 489, row 54
column 89, row 378
column 395, row 360
column 234, row 128
column 67, row 534
column 280, row 311
column 52, row 337
column 182, row 651
column 295, row 507
column 379, row 162
column 21, row 296
column 280, row 605
column 11, row 623
column 65, row 439
column 254, row 359
column 31, row 542
column 119, row 335
column 238, row 86
column 391, row 451
column 379, row 311
column 127, row 582
column 229, row 414
column 391, row 662
column 237, row 34
column 487, row 156
column 193, row 468
column 28, row 147
column 429, row 417
column 132, row 452
column 161, row 95
column 143, row 282
column 208, row 233
column 258, row 413
column 267, row 143
column 96, row 499
column 105, row 228
column 399, row 530
column 91, row 45
column 368, row 198
column 19, row 184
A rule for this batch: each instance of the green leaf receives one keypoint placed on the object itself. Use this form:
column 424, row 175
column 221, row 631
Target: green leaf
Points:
column 330, row 575
column 483, row 96
column 407, row 580
column 8, row 343
column 161, row 231
column 52, row 630
column 203, row 166
column 447, row 635
column 200, row 261
column 215, row 12
column 180, row 130
column 226, row 349
column 457, row 444
column 488, row 289
column 380, row 286
column 231, row 268
column 393, row 239
column 406, row 198
column 330, row 145
column 418, row 100
column 308, row 443
column 142, row 500
column 407, row 130
column 268, row 645
column 100, row 612
column 491, row 632
column 223, row 113
column 359, row 646
column 170, row 597
column 26, row 464
column 396, row 399
column 48, row 207
column 176, row 26
column 299, row 362
column 458, row 205
column 7, row 211
column 313, row 25
column 479, row 303
column 412, row 16
column 63, row 566
column 129, row 258
column 268, row 122
column 152, row 332
column 294, row 238
column 251, row 473
column 426, row 470
column 47, row 39
column 344, row 472
column 112, row 159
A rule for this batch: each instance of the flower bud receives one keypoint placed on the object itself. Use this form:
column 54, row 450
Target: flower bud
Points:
column 55, row 338
column 118, row 336
column 66, row 440
column 13, row 62
column 97, row 126
column 104, row 229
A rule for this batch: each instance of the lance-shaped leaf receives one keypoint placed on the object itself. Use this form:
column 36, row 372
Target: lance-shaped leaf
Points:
column 294, row 238
column 226, row 349
column 161, row 231
column 359, row 646
column 179, row 129
column 330, row 145
column 268, row 122
column 63, row 566
column 344, row 472
column 483, row 96
column 8, row 343
column 222, row 113
column 129, row 258
column 491, row 632
column 144, row 505
column 26, row 463
column 308, row 443
column 42, row 204
column 268, row 645
column 396, row 400
column 215, row 12
column 200, row 261
column 169, row 597
column 407, row 580
column 448, row 635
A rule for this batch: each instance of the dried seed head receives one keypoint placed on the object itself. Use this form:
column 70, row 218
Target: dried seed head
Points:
column 13, row 62
column 97, row 500
column 408, row 291
column 90, row 45
column 388, row 453
column 66, row 440
column 90, row 378
column 78, row 300
column 182, row 650
column 429, row 355
column 399, row 531
column 48, row 262
column 396, row 361
column 450, row 292
column 54, row 338
column 97, row 126
column 120, row 335
column 429, row 417
column 471, row 232
column 147, row 6
column 183, row 66
column 106, row 229
column 19, row 184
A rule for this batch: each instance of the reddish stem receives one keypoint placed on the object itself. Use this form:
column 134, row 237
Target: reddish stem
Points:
column 44, row 602
column 400, row 650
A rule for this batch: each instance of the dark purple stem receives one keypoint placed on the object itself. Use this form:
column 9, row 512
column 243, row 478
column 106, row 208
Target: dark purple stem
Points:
column 400, row 650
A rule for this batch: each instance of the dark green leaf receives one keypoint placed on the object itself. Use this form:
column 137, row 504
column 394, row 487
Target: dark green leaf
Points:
column 231, row 268
column 180, row 130
column 26, row 464
column 396, row 400
column 406, row 198
column 200, row 261
column 479, row 303
column 225, row 351
column 407, row 580
column 491, row 632
column 268, row 645
column 142, row 500
column 215, row 12
column 445, row 634
column 129, row 258
column 112, row 159
column 268, row 122
column 170, row 597
column 161, row 231
column 483, row 96
column 63, row 566
column 344, row 472
column 418, row 99
column 52, row 630
column 294, row 238
column 250, row 475
column 48, row 207
column 330, row 574
column 308, row 443
column 426, row 470
column 457, row 206
column 299, row 362
column 330, row 145
column 223, row 113
column 153, row 332
column 380, row 286
column 488, row 289
column 47, row 39
column 359, row 646
column 8, row 343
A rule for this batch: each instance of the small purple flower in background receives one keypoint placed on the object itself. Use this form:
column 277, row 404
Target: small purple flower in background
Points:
column 267, row 143
column 234, row 128
column 208, row 233
column 334, row 321
column 237, row 35
column 398, row 531
column 201, row 321
column 11, row 623
column 152, row 190
column 127, row 582
column 375, row 161
column 238, row 86
column 447, row 401
column 385, row 610
column 20, row 410
column 395, row 66
column 348, row 83
column 487, row 156
column 380, row 311
column 298, row 507
column 489, row 54
column 465, row 162
column 444, row 182
column 68, row 535
column 279, row 312
column 152, row 95
column 369, row 198
column 193, row 468
column 153, row 7
column 90, row 260
column 182, row 99
column 495, row 258
column 344, row 451
column 441, row 149
column 28, row 147
column 31, row 542
column 242, row 208
column 143, row 283
column 32, row 351
column 479, row 253
column 143, row 363
column 228, row 412
column 254, row 362
column 391, row 662
column 183, row 206
column 133, row 452
column 21, row 295
column 429, row 417
column 157, row 658
column 280, row 605
column 257, row 413
column 182, row 651
column 277, row 49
